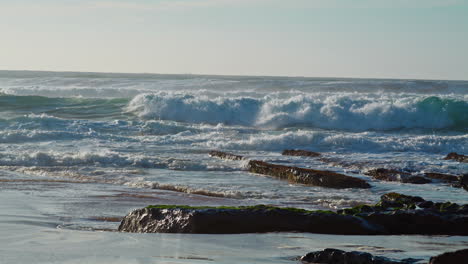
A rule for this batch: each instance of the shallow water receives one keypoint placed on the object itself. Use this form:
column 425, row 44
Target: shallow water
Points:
column 92, row 145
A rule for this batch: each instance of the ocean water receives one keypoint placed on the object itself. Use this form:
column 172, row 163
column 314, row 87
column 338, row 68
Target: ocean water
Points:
column 137, row 139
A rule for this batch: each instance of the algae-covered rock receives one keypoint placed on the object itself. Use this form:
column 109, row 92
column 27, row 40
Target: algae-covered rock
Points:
column 307, row 176
column 395, row 214
column 298, row 152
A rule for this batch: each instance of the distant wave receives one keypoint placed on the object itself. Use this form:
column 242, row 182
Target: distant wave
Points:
column 354, row 112
column 79, row 108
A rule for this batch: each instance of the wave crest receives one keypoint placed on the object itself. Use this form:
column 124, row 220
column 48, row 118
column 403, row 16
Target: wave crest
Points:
column 353, row 112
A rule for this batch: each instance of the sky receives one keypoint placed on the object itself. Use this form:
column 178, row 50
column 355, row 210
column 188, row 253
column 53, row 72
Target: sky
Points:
column 410, row 39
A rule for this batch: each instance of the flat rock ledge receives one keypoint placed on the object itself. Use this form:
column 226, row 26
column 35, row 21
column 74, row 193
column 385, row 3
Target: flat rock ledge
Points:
column 307, row 176
column 336, row 256
column 394, row 214
column 301, row 153
column 459, row 256
column 457, row 157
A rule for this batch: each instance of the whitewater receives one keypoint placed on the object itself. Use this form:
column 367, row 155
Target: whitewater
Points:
column 80, row 149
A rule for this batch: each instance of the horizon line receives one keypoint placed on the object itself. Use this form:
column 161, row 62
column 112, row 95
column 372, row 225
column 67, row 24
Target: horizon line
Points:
column 232, row 75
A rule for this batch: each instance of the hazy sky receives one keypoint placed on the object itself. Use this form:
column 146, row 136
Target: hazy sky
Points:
column 344, row 38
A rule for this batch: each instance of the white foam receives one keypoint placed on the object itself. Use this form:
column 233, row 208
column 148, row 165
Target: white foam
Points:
column 349, row 111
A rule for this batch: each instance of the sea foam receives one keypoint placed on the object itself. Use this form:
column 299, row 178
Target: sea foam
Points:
column 353, row 112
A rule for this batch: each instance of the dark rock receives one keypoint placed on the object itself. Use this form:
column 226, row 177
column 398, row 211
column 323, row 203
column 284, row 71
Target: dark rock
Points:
column 395, row 214
column 297, row 152
column 442, row 177
column 455, row 257
column 336, row 256
column 396, row 175
column 225, row 155
column 457, row 157
column 307, row 176
column 253, row 219
column 463, row 182
column 416, row 180
column 399, row 200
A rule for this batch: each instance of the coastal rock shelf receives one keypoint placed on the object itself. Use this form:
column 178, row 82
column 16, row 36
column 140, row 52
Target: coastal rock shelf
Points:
column 307, row 176
column 394, row 214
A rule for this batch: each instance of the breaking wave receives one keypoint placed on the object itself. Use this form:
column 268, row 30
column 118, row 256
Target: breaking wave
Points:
column 352, row 112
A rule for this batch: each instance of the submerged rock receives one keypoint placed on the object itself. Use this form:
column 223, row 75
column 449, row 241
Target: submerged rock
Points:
column 225, row 155
column 395, row 214
column 336, row 256
column 298, row 152
column 307, row 176
column 456, row 257
column 457, row 157
column 442, row 177
column 396, row 175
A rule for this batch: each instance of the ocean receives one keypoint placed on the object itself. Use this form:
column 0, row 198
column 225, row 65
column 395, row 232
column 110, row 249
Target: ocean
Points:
column 78, row 150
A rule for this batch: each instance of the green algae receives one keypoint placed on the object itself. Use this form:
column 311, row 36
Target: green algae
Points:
column 251, row 208
column 389, row 202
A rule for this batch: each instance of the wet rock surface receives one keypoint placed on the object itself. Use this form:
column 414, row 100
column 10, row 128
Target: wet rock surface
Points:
column 396, row 175
column 394, row 214
column 298, row 152
column 225, row 155
column 307, row 176
column 457, row 157
column 253, row 219
column 456, row 257
column 336, row 256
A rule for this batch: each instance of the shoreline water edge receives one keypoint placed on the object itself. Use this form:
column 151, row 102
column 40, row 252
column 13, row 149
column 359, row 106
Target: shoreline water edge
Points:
column 129, row 168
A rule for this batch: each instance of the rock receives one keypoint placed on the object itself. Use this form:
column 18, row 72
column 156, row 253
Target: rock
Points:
column 457, row 157
column 399, row 200
column 463, row 182
column 297, row 152
column 307, row 176
column 251, row 219
column 455, row 257
column 395, row 175
column 442, row 177
column 225, row 155
column 336, row 256
column 395, row 214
